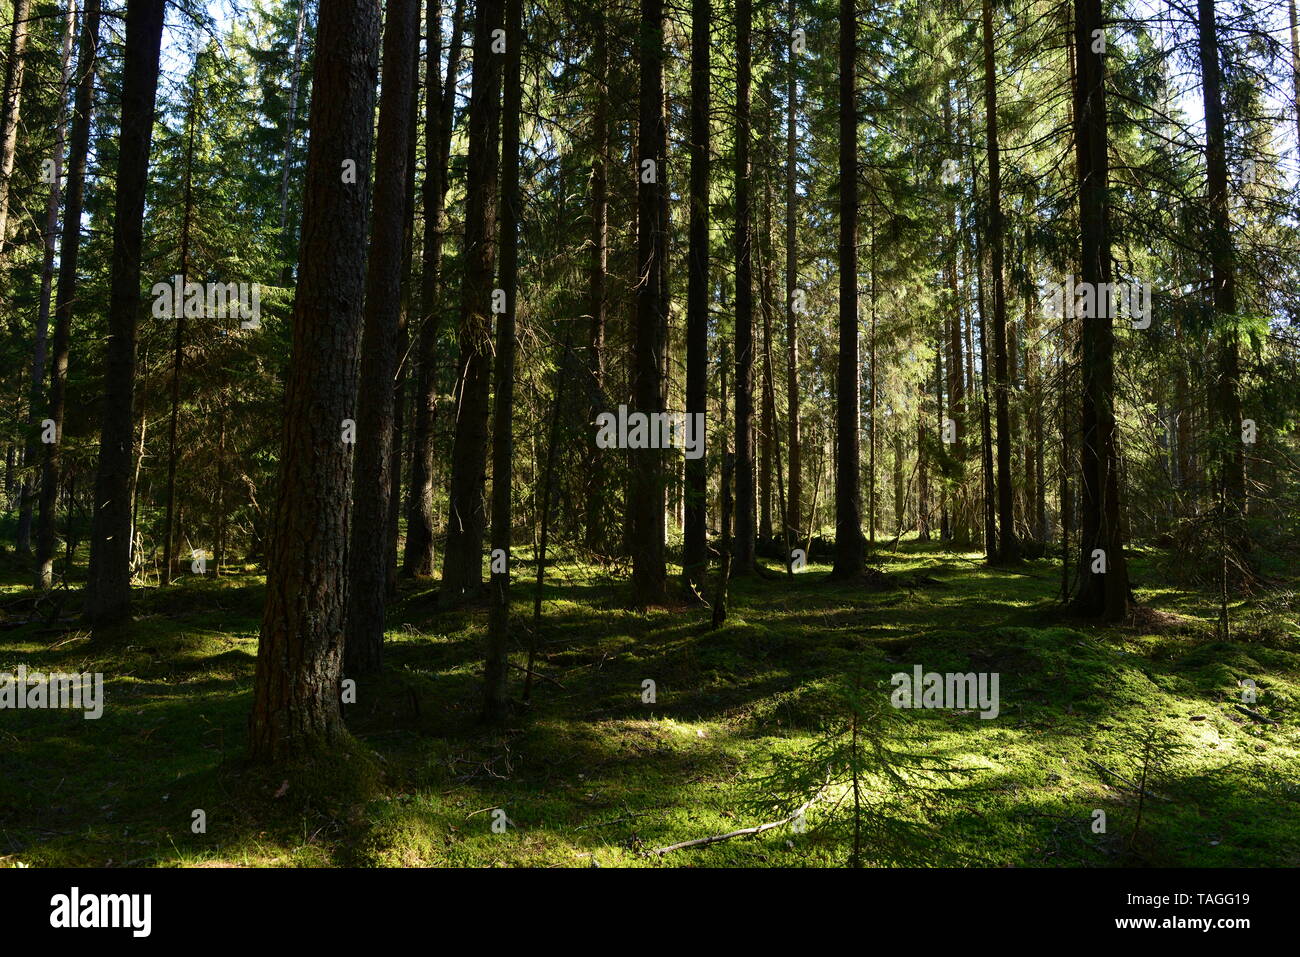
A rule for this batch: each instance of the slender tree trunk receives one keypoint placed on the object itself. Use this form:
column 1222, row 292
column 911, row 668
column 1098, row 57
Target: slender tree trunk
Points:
column 11, row 109
column 1295, row 68
column 850, row 555
column 368, row 547
column 695, row 559
column 108, row 586
column 1103, row 589
column 295, row 78
column 1008, row 547
column 178, row 316
column 647, row 478
column 418, row 554
column 1222, row 271
column 743, row 555
column 462, row 564
column 597, row 279
column 300, row 656
column 794, row 503
column 495, row 699
column 65, row 294
column 28, row 492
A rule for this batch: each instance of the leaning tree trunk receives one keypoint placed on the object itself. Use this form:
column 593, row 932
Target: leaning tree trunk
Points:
column 850, row 554
column 108, row 584
column 695, row 558
column 368, row 546
column 646, row 487
column 462, row 564
column 495, row 699
column 299, row 659
column 65, row 294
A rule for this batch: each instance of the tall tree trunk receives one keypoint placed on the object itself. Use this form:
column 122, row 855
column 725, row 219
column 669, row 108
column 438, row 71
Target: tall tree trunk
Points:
column 1222, row 270
column 11, row 109
column 850, row 555
column 794, row 501
column 1103, row 589
column 299, row 658
column 178, row 317
column 594, row 518
column 108, row 585
column 1295, row 68
column 695, row 557
column 65, row 294
column 50, row 242
column 462, row 564
column 417, row 556
column 495, row 699
column 647, row 479
column 368, row 547
column 288, row 247
column 1008, row 547
column 743, row 554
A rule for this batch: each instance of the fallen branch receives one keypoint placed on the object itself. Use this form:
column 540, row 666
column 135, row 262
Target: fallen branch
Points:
column 743, row 832
column 1255, row 715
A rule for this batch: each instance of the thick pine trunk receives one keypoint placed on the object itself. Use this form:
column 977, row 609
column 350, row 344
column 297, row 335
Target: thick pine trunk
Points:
column 108, row 585
column 794, row 500
column 1103, row 589
column 368, row 547
column 300, row 656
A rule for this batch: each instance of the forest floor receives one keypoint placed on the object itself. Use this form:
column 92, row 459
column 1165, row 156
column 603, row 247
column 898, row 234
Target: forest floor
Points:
column 593, row 775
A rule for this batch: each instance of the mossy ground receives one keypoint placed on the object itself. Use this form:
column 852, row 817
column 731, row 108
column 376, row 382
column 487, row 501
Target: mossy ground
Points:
column 590, row 773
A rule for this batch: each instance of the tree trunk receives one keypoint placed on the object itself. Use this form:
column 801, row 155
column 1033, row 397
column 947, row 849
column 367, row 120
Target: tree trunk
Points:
column 299, row 658
column 11, row 109
column 65, row 294
column 178, row 317
column 27, row 500
column 108, row 585
column 1222, row 271
column 462, row 564
column 1008, row 547
column 695, row 559
column 1103, row 589
column 418, row 556
column 647, row 479
column 295, row 77
column 849, row 546
column 495, row 699
column 368, row 547
column 794, row 502
column 743, row 553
